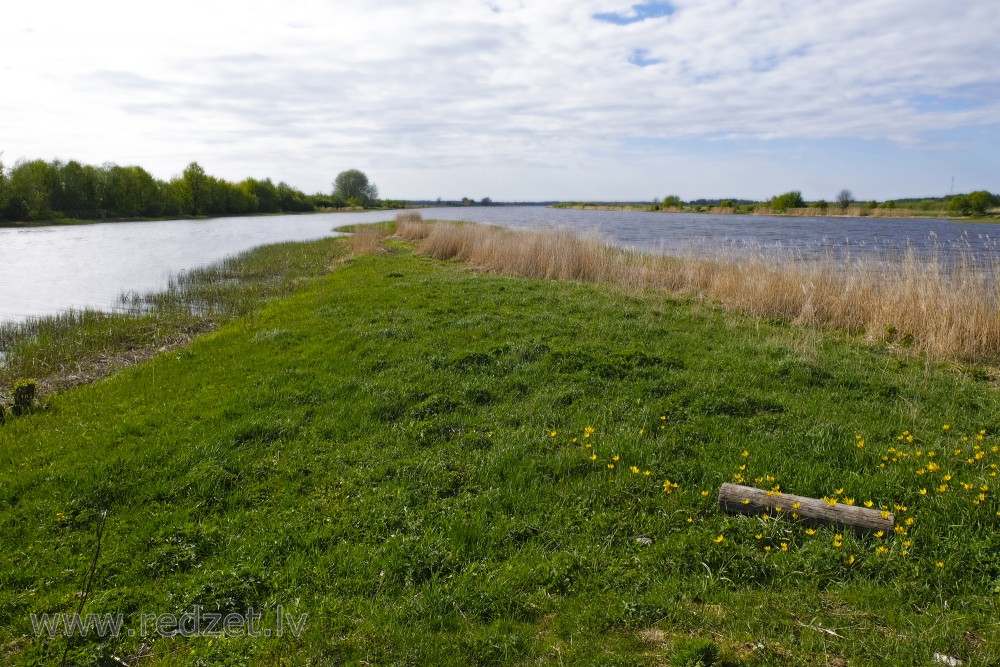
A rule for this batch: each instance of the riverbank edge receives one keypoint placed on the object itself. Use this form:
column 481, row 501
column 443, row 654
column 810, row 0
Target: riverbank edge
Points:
column 67, row 222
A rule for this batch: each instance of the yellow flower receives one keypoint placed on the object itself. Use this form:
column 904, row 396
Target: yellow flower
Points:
column 795, row 515
column 940, row 564
column 646, row 473
column 745, row 453
column 719, row 539
column 796, row 505
column 690, row 520
column 880, row 533
column 553, row 434
column 767, row 548
column 611, row 466
column 635, row 470
column 900, row 530
column 904, row 553
column 923, row 492
column 830, row 501
column 909, row 438
column 758, row 536
column 868, row 503
column 614, row 458
column 745, row 501
column 778, row 510
column 945, row 427
column 704, row 494
column 850, row 560
column 848, row 501
column 641, row 431
column 784, row 546
column 663, row 417
column 837, row 544
column 933, row 467
column 885, row 514
column 861, row 444
column 882, row 550
column 921, row 471
column 942, row 488
column 838, row 492
column 593, row 457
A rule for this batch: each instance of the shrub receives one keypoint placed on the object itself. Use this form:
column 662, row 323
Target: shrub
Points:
column 672, row 201
column 24, row 396
column 16, row 210
column 792, row 199
column 694, row 653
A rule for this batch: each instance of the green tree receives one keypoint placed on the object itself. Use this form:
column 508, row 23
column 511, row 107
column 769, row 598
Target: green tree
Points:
column 672, row 201
column 354, row 184
column 959, row 205
column 981, row 201
column 791, row 199
column 199, row 189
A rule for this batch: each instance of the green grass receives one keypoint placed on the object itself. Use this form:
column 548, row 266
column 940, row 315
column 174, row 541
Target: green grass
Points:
column 376, row 450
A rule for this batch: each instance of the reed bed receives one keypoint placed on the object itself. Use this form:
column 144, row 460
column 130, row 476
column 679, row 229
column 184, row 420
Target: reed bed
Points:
column 367, row 239
column 944, row 307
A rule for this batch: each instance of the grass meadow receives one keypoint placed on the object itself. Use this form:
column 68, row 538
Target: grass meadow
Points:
column 445, row 465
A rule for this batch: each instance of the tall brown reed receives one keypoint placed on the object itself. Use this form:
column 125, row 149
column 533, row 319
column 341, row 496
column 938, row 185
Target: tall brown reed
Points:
column 943, row 307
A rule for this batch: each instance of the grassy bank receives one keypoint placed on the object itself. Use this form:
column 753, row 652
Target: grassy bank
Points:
column 77, row 347
column 440, row 466
column 944, row 307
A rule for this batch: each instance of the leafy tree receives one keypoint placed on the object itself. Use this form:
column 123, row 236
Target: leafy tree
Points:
column 822, row 204
column 486, row 201
column 37, row 183
column 792, row 199
column 844, row 198
column 959, row 205
column 981, row 201
column 974, row 203
column 16, row 209
column 672, row 201
column 354, row 184
column 198, row 187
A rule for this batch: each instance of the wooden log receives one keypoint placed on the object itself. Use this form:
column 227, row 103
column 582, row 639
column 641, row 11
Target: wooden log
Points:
column 747, row 500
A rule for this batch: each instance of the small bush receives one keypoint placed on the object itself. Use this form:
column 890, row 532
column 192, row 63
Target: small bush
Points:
column 694, row 653
column 792, row 199
column 24, row 396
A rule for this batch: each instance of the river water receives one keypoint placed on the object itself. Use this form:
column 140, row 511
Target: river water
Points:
column 46, row 270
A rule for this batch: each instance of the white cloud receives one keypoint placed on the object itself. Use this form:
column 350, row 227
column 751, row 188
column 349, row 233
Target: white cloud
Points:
column 507, row 96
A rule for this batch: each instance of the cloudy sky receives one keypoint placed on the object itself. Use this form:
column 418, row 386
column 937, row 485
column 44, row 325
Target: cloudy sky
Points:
column 517, row 99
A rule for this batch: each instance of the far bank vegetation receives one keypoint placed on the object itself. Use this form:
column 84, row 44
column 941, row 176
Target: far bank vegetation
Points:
column 980, row 204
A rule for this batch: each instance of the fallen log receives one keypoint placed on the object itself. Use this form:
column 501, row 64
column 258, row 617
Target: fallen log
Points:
column 747, row 500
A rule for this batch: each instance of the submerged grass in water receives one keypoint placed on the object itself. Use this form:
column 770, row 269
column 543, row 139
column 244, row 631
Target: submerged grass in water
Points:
column 78, row 346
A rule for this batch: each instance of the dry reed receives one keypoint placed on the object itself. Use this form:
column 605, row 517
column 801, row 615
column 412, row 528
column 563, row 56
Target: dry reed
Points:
column 946, row 308
column 367, row 240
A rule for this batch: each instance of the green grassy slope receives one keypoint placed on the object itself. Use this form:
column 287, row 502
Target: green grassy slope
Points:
column 403, row 451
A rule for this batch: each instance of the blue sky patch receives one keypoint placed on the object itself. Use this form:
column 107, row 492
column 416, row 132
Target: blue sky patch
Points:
column 653, row 9
column 640, row 58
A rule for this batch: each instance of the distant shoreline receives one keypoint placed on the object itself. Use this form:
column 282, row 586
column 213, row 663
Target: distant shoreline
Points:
column 796, row 213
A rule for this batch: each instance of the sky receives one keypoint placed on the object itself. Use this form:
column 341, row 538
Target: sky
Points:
column 517, row 99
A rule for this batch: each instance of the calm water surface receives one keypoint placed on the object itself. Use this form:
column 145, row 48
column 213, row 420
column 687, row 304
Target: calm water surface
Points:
column 46, row 270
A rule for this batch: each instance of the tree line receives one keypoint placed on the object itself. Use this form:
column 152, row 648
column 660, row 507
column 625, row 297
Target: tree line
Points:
column 40, row 190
